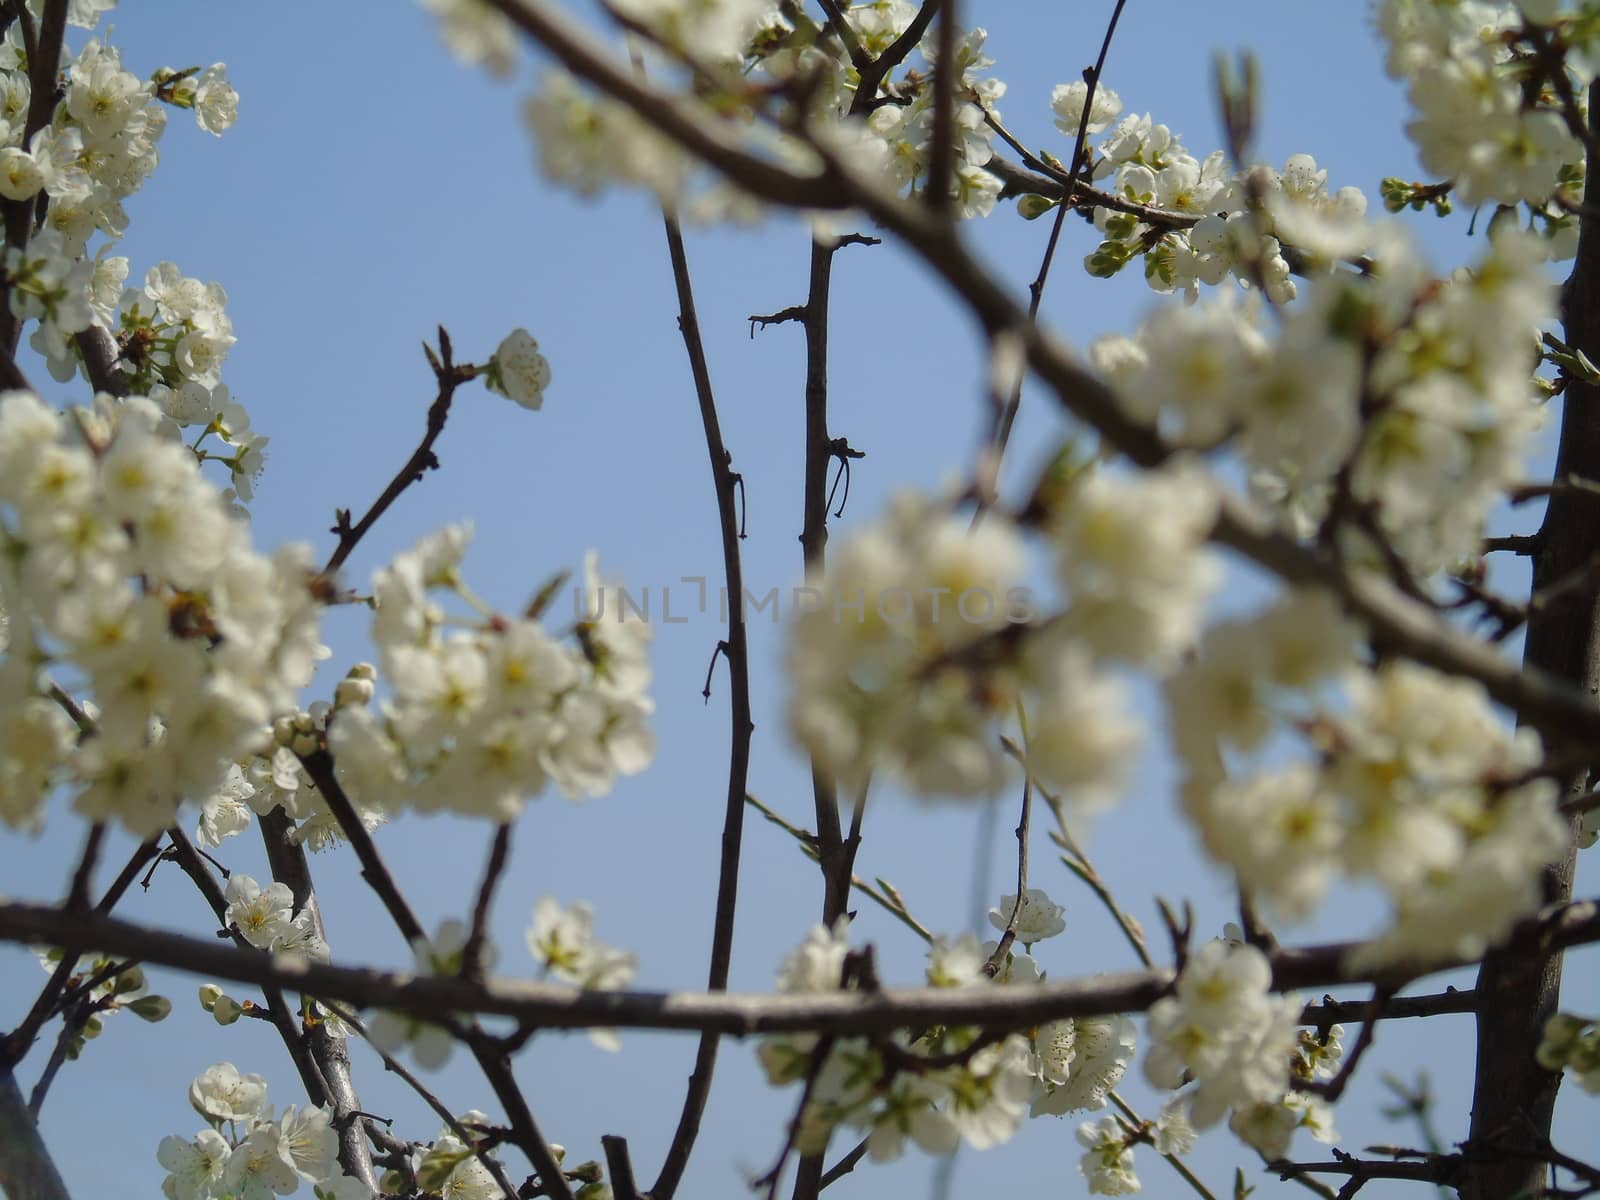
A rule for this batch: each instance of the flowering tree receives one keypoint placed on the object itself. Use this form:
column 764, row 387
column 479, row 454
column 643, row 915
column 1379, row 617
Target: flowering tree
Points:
column 1315, row 399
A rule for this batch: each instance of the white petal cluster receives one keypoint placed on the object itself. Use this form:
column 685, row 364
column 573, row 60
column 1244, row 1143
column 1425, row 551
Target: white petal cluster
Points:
column 443, row 954
column 1269, row 1125
column 178, row 334
column 1215, row 223
column 477, row 34
column 1107, row 1162
column 248, row 1153
column 1078, row 1061
column 267, row 918
column 1130, row 552
column 1572, row 1044
column 1067, row 101
column 1473, row 121
column 590, row 143
column 1038, row 919
column 909, row 657
column 1415, row 783
column 518, row 371
column 1419, row 391
column 1441, row 813
column 132, row 584
column 716, row 31
column 453, row 1169
column 99, row 149
column 479, row 719
column 907, row 131
column 1225, row 1031
column 207, row 92
column 562, row 942
column 978, row 1095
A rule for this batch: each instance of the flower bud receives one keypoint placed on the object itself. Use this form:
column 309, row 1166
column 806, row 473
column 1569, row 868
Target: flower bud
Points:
column 226, row 1010
column 1030, row 207
column 353, row 693
column 210, row 993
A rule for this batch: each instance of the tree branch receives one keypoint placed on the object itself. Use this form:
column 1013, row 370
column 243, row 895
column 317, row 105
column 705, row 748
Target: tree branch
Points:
column 549, row 1006
column 735, row 650
column 449, row 377
column 27, row 1171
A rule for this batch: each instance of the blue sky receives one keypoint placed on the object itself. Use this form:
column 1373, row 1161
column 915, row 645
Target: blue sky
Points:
column 372, row 190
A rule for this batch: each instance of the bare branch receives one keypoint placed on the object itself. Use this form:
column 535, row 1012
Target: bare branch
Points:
column 549, row 1006
column 449, row 377
column 27, row 1171
column 736, row 652
column 472, row 954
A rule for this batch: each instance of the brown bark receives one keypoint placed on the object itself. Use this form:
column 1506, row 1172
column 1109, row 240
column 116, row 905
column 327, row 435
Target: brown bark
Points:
column 1514, row 1098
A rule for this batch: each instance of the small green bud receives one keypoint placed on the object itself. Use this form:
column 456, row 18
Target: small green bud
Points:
column 226, row 1010
column 131, row 980
column 210, row 993
column 1031, row 207
column 151, row 1008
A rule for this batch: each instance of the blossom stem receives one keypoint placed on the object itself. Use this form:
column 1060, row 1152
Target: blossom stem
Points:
column 1177, row 1163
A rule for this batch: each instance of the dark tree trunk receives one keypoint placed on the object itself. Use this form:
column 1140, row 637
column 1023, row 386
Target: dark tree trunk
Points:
column 1513, row 1097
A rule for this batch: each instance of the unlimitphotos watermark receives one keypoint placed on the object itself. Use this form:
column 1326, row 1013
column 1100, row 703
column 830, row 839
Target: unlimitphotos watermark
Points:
column 676, row 604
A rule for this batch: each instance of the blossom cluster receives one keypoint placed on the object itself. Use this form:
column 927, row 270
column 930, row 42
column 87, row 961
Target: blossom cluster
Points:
column 948, row 1085
column 478, row 719
column 266, row 918
column 1391, row 398
column 272, row 777
column 1194, row 222
column 129, row 584
column 1572, row 1043
column 250, row 1152
column 913, row 667
column 914, row 678
column 562, row 942
column 741, row 50
column 1414, row 783
column 1484, row 116
column 1234, row 1047
column 97, row 150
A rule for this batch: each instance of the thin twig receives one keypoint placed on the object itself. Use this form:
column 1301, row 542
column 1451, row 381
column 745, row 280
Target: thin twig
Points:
column 185, row 855
column 736, row 652
column 472, row 954
column 770, row 1181
column 887, row 898
column 17, row 1044
column 844, row 1166
column 390, row 1063
column 1332, row 1089
column 448, row 377
column 83, row 877
column 319, row 766
column 1009, row 935
column 1173, row 1160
